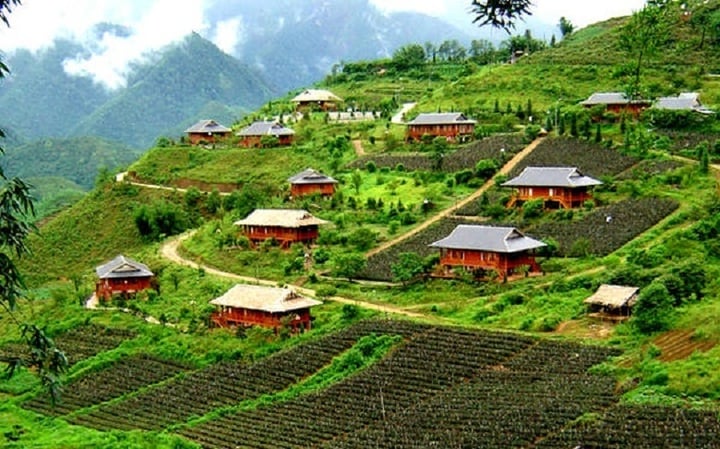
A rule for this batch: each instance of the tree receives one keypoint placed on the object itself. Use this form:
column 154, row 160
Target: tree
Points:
column 437, row 155
column 641, row 38
column 348, row 265
column 653, row 309
column 356, row 180
column 482, row 51
column 566, row 27
column 409, row 56
column 500, row 13
column 408, row 267
column 16, row 212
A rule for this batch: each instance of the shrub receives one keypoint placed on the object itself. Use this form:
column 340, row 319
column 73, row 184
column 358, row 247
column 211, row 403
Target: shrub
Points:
column 533, row 209
column 654, row 309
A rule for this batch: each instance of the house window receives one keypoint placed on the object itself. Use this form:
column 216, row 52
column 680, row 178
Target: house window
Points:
column 529, row 191
column 552, row 192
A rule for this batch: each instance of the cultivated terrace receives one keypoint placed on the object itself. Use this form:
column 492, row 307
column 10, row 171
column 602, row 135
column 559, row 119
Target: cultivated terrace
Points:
column 414, row 339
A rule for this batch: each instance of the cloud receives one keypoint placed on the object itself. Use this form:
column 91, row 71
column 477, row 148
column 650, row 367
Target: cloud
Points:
column 152, row 24
column 228, row 34
column 430, row 7
column 583, row 13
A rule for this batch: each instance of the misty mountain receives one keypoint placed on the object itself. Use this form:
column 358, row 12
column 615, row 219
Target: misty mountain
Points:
column 295, row 43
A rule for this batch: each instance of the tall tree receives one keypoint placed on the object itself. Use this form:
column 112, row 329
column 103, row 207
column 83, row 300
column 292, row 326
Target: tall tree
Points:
column 482, row 51
column 409, row 56
column 16, row 212
column 566, row 27
column 642, row 37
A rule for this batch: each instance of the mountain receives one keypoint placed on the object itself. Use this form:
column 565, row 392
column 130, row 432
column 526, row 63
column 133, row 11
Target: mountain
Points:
column 178, row 86
column 77, row 159
column 296, row 43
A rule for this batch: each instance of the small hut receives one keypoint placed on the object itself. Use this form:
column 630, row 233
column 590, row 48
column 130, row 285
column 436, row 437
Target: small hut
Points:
column 311, row 182
column 613, row 302
column 122, row 276
column 316, row 99
column 258, row 305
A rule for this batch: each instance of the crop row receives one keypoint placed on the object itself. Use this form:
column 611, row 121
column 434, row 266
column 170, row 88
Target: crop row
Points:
column 219, row 385
column 592, row 159
column 641, row 427
column 122, row 377
column 607, row 228
column 465, row 379
column 79, row 343
column 498, row 148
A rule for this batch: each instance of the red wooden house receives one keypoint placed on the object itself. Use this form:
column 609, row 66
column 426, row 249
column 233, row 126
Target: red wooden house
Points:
column 481, row 249
column 251, row 136
column 206, row 131
column 311, row 182
column 452, row 125
column 122, row 276
column 316, row 100
column 617, row 103
column 258, row 305
column 286, row 226
column 558, row 186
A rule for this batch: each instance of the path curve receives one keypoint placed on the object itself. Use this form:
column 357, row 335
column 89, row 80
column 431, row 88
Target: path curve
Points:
column 358, row 146
column 169, row 250
column 512, row 163
column 398, row 118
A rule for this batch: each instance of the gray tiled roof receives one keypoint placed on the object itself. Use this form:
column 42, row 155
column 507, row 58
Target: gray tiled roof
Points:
column 445, row 118
column 498, row 239
column 552, row 177
column 285, row 218
column 266, row 129
column 267, row 299
column 207, row 126
column 610, row 98
column 311, row 176
column 123, row 267
column 686, row 101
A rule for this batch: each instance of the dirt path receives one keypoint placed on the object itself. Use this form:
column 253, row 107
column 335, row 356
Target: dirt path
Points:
column 359, row 150
column 398, row 118
column 454, row 208
column 169, row 250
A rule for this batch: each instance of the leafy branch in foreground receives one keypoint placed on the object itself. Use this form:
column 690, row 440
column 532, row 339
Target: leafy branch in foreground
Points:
column 500, row 13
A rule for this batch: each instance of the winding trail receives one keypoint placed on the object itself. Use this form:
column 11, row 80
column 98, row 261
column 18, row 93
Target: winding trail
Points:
column 450, row 211
column 400, row 115
column 169, row 251
column 358, row 146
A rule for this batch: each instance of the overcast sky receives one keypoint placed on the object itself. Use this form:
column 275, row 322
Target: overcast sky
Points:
column 156, row 23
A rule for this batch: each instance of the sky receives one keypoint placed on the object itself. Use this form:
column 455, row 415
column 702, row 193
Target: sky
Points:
column 157, row 23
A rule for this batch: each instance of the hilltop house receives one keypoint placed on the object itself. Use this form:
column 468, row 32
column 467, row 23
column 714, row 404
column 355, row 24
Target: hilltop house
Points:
column 316, row 99
column 251, row 136
column 452, row 125
column 286, row 226
column 612, row 301
column 122, row 276
column 557, row 186
column 258, row 305
column 206, row 131
column 310, row 182
column 487, row 248
column 617, row 103
column 686, row 101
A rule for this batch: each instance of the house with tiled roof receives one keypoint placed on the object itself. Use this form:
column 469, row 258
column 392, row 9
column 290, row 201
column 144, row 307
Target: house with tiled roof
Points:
column 311, row 182
column 564, row 187
column 617, row 103
column 316, row 100
column 286, row 226
column 251, row 136
column 480, row 249
column 685, row 101
column 206, row 131
column 258, row 305
column 122, row 276
column 454, row 126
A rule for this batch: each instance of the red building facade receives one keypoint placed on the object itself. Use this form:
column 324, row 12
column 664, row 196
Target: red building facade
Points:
column 453, row 126
column 558, row 187
column 481, row 249
column 257, row 305
column 617, row 103
column 122, row 276
column 206, row 131
column 286, row 226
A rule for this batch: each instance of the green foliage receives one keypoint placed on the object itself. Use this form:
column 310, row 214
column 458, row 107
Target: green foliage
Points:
column 408, row 267
column 533, row 209
column 348, row 265
column 159, row 220
column 653, row 311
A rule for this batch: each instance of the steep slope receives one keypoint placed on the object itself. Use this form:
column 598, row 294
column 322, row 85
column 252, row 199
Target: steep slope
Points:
column 174, row 89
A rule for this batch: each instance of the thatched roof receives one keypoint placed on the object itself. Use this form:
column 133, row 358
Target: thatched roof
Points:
column 614, row 296
column 266, row 299
column 498, row 239
column 123, row 267
column 316, row 95
column 284, row 218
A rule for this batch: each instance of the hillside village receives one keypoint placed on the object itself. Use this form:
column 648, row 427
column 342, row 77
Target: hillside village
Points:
column 448, row 255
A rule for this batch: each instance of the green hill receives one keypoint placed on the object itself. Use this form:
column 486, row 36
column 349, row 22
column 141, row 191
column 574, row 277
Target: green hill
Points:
column 515, row 362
